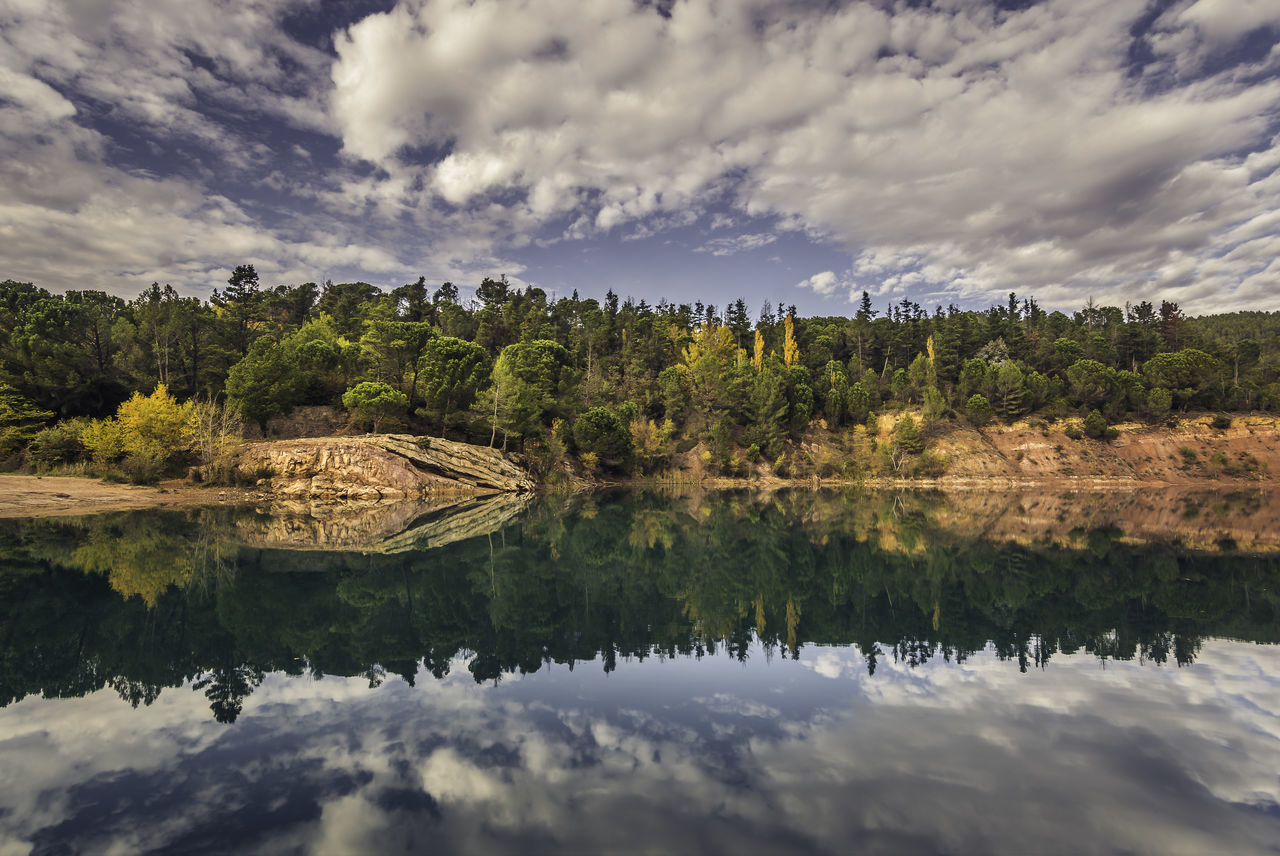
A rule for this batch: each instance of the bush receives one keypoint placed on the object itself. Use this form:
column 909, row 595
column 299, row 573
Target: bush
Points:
column 143, row 467
column 599, row 431
column 57, row 445
column 154, row 427
column 1073, row 432
column 1221, row 422
column 978, row 410
column 1095, row 425
column 103, row 439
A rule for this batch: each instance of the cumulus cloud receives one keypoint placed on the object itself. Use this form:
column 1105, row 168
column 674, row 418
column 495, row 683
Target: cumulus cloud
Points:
column 959, row 150
column 963, row 146
column 824, row 283
column 135, row 136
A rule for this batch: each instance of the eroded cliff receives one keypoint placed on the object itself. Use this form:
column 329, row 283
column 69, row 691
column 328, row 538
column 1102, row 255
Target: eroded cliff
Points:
column 377, row 467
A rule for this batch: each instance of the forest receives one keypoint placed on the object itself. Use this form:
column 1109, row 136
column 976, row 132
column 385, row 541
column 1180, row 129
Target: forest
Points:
column 144, row 386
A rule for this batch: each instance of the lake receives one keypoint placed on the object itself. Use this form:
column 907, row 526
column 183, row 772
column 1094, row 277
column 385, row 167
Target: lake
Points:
column 644, row 672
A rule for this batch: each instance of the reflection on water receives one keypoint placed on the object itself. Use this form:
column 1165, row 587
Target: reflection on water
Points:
column 728, row 672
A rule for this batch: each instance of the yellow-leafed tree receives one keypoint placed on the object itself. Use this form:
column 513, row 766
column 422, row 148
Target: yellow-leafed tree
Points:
column 790, row 350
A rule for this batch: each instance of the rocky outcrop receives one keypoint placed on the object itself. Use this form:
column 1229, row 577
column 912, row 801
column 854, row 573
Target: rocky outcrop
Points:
column 378, row 467
column 477, row 466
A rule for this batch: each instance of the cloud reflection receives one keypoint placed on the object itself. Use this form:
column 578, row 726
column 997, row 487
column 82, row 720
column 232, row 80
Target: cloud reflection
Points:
column 683, row 755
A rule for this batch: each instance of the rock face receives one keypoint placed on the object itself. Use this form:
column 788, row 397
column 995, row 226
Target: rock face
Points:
column 379, row 466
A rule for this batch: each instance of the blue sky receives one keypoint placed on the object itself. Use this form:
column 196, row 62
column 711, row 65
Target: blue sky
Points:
column 947, row 151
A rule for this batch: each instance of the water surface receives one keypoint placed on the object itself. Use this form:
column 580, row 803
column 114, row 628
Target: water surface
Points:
column 798, row 672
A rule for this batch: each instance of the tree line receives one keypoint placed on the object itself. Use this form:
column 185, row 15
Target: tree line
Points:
column 622, row 384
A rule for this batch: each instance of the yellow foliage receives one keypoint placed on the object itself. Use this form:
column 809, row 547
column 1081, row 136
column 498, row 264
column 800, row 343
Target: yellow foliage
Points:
column 104, row 440
column 154, row 426
column 645, row 438
column 710, row 341
column 143, row 565
column 790, row 350
column 793, row 621
column 757, row 359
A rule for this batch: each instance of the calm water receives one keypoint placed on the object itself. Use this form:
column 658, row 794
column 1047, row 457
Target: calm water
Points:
column 800, row 673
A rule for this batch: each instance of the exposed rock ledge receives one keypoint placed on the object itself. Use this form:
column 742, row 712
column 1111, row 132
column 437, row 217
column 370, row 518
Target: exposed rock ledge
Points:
column 380, row 466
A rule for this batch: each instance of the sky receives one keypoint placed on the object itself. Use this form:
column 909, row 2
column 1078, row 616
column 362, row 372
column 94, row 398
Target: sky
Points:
column 795, row 151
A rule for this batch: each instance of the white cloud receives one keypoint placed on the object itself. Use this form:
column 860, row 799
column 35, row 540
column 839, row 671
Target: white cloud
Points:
column 951, row 148
column 824, row 283
column 981, row 150
column 737, row 244
column 1224, row 21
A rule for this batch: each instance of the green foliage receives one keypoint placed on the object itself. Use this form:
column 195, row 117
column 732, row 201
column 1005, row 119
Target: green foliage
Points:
column 1091, row 382
column 934, row 405
column 602, row 433
column 454, row 372
column 859, row 405
column 1189, row 375
column 767, row 408
column 57, row 444
column 373, row 401
column 1159, row 401
column 906, row 435
column 675, row 389
column 267, row 382
column 978, row 410
column 20, row 419
column 1011, row 391
column 526, row 383
column 270, row 349
column 1095, row 425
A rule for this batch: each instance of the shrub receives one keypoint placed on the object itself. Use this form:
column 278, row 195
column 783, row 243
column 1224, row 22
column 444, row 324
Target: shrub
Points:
column 978, row 410
column 1221, row 422
column 1095, row 425
column 600, row 432
column 1073, row 432
column 103, row 439
column 154, row 427
column 57, row 445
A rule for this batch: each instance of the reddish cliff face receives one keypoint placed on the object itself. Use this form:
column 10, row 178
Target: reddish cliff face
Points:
column 1191, row 452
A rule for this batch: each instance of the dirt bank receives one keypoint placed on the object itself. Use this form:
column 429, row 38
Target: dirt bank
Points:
column 1190, row 451
column 44, row 496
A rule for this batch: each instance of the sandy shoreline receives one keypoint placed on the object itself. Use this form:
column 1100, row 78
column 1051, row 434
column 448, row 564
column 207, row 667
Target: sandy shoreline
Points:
column 46, row 496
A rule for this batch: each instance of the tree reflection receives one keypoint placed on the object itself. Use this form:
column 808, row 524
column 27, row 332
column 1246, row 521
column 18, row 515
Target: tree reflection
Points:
column 140, row 602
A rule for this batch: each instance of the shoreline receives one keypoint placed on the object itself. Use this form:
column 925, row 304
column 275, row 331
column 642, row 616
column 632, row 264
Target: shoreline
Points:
column 27, row 496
